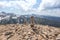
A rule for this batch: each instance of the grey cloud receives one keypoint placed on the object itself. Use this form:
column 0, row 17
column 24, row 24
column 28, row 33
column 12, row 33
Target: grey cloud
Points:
column 49, row 4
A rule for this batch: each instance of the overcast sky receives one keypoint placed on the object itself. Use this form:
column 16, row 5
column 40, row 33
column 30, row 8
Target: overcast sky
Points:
column 41, row 7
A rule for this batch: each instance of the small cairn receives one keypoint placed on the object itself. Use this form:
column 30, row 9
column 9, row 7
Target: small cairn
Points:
column 25, row 21
column 18, row 20
column 32, row 21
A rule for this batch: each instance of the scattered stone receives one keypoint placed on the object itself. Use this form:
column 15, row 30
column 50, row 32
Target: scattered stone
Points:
column 26, row 32
column 8, row 33
column 58, row 37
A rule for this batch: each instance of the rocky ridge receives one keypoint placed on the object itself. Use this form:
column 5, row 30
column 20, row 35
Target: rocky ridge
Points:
column 26, row 32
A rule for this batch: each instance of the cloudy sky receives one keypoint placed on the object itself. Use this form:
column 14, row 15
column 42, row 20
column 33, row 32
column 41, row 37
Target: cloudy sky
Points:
column 41, row 7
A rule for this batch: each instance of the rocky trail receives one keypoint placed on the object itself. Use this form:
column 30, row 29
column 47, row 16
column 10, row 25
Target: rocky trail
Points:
column 26, row 32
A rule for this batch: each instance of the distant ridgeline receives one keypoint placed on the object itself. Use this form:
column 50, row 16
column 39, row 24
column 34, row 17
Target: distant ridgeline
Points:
column 38, row 19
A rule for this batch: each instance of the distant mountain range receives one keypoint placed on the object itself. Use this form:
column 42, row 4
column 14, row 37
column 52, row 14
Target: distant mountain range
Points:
column 45, row 20
column 57, row 19
column 6, row 18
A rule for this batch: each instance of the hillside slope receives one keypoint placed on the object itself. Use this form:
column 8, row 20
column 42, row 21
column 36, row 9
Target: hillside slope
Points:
column 26, row 32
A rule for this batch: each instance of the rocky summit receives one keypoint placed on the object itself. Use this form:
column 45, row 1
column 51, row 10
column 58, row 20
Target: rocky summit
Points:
column 26, row 32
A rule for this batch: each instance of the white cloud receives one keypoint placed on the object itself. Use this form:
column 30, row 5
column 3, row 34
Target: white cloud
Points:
column 26, row 5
